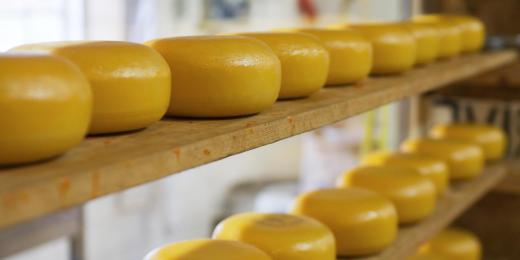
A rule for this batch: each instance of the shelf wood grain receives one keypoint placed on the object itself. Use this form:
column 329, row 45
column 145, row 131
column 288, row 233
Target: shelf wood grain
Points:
column 459, row 198
column 107, row 164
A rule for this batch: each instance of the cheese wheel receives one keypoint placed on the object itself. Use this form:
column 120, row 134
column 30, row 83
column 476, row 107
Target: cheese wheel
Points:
column 454, row 244
column 491, row 139
column 465, row 160
column 45, row 107
column 412, row 194
column 427, row 38
column 472, row 32
column 282, row 236
column 450, row 34
column 304, row 60
column 220, row 76
column 350, row 55
column 434, row 169
column 130, row 82
column 206, row 249
column 394, row 47
column 363, row 222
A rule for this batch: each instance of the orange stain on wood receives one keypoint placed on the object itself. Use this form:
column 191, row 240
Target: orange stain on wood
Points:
column 292, row 122
column 206, row 152
column 107, row 141
column 360, row 84
column 251, row 124
column 9, row 200
column 94, row 190
column 63, row 188
column 177, row 154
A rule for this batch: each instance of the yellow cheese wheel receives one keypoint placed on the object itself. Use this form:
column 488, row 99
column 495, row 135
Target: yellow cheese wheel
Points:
column 471, row 29
column 491, row 139
column 220, row 76
column 465, row 160
column 363, row 222
column 206, row 249
column 472, row 32
column 427, row 38
column 130, row 82
column 454, row 244
column 434, row 169
column 45, row 107
column 412, row 194
column 394, row 47
column 450, row 34
column 350, row 55
column 282, row 236
column 304, row 60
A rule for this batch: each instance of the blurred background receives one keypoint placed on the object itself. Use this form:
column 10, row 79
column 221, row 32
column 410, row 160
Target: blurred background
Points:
column 24, row 21
column 129, row 224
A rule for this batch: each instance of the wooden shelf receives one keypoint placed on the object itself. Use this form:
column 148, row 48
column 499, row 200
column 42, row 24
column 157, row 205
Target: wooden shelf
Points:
column 459, row 198
column 511, row 183
column 107, row 164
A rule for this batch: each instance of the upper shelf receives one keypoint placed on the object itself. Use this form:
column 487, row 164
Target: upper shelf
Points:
column 107, row 164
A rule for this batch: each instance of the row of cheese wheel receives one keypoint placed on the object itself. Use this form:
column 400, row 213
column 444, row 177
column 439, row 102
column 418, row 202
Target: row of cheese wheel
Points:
column 449, row 244
column 48, row 103
column 361, row 216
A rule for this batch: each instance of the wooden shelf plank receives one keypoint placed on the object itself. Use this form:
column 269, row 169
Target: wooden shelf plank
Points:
column 459, row 198
column 107, row 164
column 511, row 183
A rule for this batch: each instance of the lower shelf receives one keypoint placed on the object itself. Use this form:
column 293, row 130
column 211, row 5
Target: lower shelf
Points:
column 459, row 198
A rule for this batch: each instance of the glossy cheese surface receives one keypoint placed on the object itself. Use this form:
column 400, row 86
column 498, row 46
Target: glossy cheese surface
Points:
column 394, row 47
column 465, row 160
column 472, row 30
column 206, row 249
column 454, row 244
column 450, row 34
column 304, row 60
column 350, row 55
column 282, row 236
column 413, row 195
column 427, row 38
column 363, row 222
column 431, row 167
column 45, row 107
column 220, row 76
column 491, row 139
column 130, row 82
